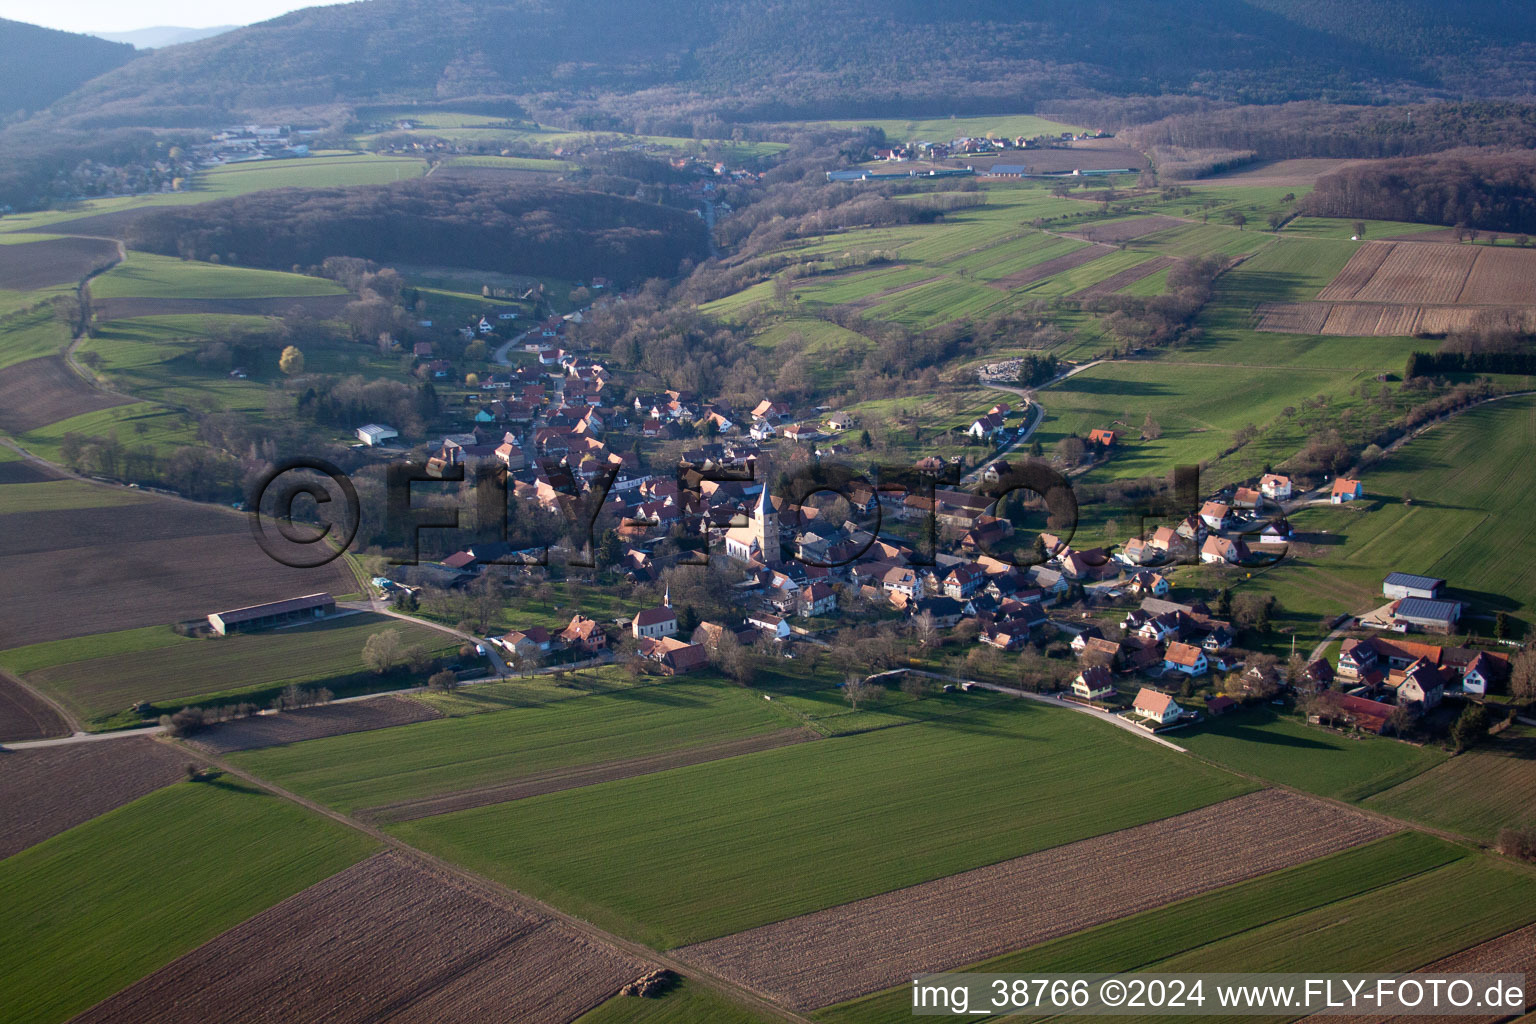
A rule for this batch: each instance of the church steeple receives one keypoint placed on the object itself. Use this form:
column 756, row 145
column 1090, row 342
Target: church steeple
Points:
column 765, row 523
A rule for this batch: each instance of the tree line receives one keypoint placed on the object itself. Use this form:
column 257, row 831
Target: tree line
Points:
column 1488, row 190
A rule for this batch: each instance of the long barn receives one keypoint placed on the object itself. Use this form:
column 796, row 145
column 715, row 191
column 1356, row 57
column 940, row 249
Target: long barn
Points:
column 273, row 613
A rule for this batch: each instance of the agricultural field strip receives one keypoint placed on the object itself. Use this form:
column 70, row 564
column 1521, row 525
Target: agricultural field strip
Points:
column 387, row 938
column 1141, row 940
column 1476, row 793
column 48, row 790
column 446, row 757
column 315, row 723
column 26, row 716
column 842, row 952
column 1511, row 953
column 556, row 779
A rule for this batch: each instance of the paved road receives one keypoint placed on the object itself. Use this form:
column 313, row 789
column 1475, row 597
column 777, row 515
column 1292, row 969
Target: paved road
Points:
column 1118, row 721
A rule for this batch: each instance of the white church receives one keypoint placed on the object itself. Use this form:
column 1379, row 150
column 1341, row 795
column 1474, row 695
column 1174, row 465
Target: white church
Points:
column 758, row 541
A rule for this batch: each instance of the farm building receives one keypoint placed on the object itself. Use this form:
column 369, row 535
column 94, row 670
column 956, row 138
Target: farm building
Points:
column 1399, row 585
column 1428, row 615
column 1341, row 709
column 376, row 433
column 273, row 613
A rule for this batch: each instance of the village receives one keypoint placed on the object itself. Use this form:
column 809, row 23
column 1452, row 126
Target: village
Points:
column 1102, row 617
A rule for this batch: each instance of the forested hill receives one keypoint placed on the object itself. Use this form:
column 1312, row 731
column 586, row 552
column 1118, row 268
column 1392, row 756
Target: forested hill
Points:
column 520, row 229
column 38, row 65
column 786, row 57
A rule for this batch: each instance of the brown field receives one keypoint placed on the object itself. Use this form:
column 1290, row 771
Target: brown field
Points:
column 1362, row 319
column 557, row 779
column 26, row 716
column 1040, row 271
column 74, row 572
column 1511, row 953
column 387, row 939
column 42, row 391
column 1129, row 276
column 1435, row 274
column 1126, row 230
column 315, row 305
column 315, row 723
column 23, row 472
column 1299, row 173
column 836, row 954
column 1358, row 272
column 28, row 265
column 46, row 790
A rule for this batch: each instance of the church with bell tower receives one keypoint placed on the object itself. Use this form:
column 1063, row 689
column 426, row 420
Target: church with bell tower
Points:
column 758, row 541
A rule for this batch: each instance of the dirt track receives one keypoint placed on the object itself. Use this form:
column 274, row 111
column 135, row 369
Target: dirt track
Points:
column 45, row 791
column 24, row 716
column 28, row 265
column 836, row 954
column 387, row 939
column 42, row 391
column 315, row 723
column 557, row 779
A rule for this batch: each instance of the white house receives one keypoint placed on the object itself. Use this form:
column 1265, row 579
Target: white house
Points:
column 1159, row 707
column 1275, row 487
column 1186, row 658
column 772, row 625
column 376, row 433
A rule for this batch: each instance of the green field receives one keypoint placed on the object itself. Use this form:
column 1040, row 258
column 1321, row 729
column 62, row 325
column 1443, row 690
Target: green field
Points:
column 1476, row 793
column 46, row 495
column 1468, row 478
column 372, row 768
column 31, row 334
column 1143, row 940
column 1391, row 913
column 145, row 275
column 327, row 653
column 694, row 853
column 1284, row 749
column 35, row 657
column 685, row 1003
column 319, row 171
column 100, row 906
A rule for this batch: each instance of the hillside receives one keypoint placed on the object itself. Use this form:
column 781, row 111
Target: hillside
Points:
column 162, row 35
column 759, row 59
column 38, row 65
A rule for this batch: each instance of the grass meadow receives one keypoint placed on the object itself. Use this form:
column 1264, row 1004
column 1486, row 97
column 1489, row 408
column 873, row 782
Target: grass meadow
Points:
column 234, row 667
column 694, row 853
column 99, row 906
column 148, row 276
column 443, row 756
column 1476, row 793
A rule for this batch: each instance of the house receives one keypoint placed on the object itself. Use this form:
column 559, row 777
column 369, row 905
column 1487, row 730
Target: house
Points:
column 771, row 625
column 584, row 634
column 841, row 421
column 1103, row 438
column 1481, row 673
column 1276, row 531
column 1275, row 487
column 818, row 599
column 1430, row 616
column 802, row 432
column 987, row 427
column 1246, row 497
column 1011, row 635
column 273, row 613
column 1215, row 514
column 672, row 656
column 1422, row 683
column 1346, row 489
column 964, row 580
column 1156, row 706
column 376, row 433
column 1154, row 583
column 1094, row 683
column 1399, row 585
column 528, row 644
column 1185, row 658
column 1097, row 650
column 1222, row 549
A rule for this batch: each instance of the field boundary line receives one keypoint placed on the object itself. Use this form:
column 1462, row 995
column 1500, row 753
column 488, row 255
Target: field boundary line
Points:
column 70, row 721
